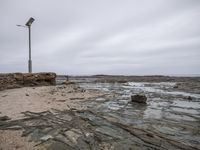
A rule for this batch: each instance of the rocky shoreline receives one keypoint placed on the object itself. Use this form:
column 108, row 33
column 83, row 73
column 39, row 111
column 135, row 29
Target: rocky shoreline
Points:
column 191, row 84
column 100, row 113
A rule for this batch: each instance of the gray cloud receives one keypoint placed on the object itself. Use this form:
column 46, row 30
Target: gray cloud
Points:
column 102, row 37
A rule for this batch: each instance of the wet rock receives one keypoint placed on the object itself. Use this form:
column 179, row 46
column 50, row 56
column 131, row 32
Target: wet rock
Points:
column 86, row 129
column 139, row 98
column 4, row 118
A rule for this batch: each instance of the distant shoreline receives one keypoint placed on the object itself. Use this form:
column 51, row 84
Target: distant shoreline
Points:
column 167, row 75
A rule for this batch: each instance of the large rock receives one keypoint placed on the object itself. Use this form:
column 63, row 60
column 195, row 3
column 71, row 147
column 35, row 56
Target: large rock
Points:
column 15, row 80
column 139, row 98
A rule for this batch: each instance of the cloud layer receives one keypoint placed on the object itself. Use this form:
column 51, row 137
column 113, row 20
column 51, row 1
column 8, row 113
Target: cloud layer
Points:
column 102, row 37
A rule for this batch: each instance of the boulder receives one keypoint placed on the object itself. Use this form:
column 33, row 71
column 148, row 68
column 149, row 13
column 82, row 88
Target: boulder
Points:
column 139, row 98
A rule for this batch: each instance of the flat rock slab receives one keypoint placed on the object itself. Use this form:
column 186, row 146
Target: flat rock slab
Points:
column 87, row 130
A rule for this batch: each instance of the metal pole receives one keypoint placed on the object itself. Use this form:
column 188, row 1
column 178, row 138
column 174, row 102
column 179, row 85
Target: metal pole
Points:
column 28, row 24
column 29, row 61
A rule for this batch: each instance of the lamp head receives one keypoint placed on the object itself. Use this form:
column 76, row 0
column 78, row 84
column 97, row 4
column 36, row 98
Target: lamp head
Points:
column 30, row 21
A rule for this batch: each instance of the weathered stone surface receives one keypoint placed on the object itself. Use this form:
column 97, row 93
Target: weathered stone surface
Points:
column 16, row 80
column 139, row 98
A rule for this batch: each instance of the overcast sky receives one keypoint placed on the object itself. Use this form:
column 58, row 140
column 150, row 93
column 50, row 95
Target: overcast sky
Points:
column 102, row 36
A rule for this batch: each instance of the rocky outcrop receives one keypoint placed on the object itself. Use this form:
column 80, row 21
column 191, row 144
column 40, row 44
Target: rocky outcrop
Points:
column 139, row 98
column 15, row 80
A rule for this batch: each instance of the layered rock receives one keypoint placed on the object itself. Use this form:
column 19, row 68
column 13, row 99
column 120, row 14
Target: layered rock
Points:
column 15, row 80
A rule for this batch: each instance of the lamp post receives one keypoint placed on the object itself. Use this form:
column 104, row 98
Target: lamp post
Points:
column 28, row 24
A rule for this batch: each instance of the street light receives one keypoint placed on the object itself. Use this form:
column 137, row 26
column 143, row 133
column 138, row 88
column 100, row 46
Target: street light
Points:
column 28, row 24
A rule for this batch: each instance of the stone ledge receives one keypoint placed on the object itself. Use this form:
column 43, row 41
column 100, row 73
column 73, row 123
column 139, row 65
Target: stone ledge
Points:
column 16, row 80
